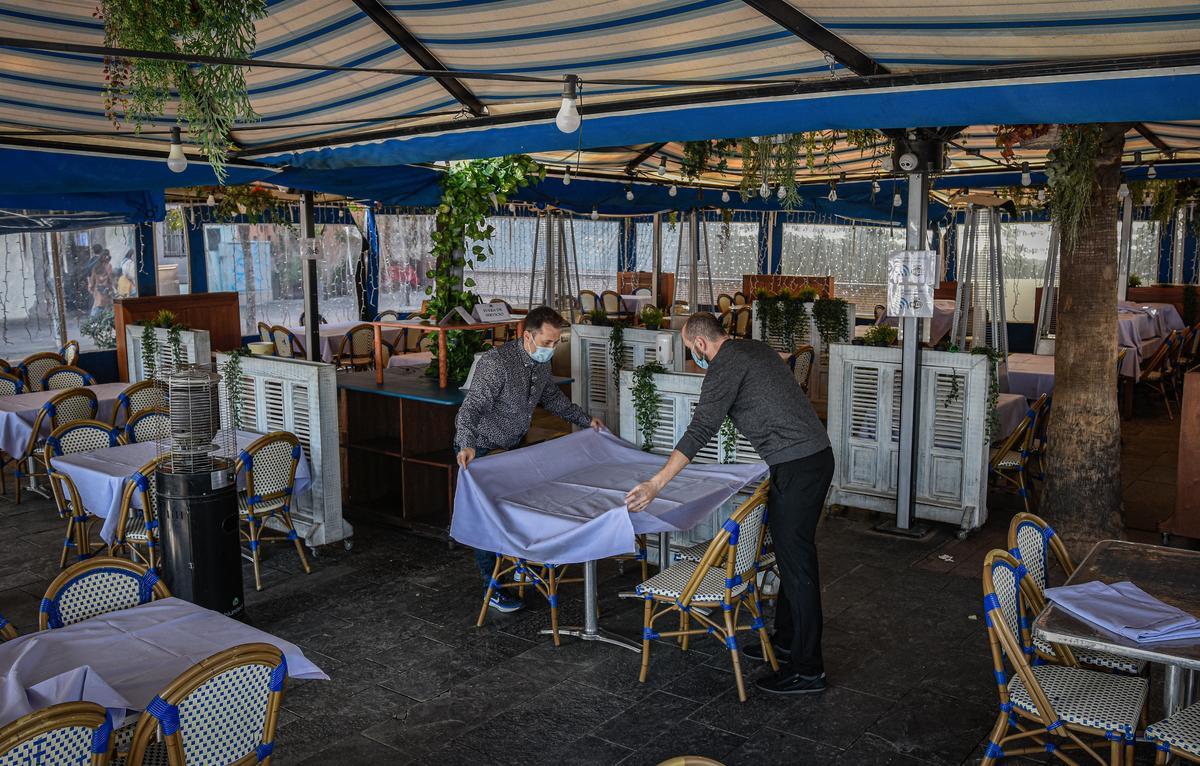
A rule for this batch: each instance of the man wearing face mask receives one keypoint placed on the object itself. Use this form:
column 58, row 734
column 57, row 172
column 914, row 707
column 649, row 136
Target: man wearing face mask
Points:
column 509, row 381
column 748, row 381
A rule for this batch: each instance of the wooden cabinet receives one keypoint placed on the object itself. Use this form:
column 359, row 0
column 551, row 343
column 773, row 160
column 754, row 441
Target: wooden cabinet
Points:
column 216, row 312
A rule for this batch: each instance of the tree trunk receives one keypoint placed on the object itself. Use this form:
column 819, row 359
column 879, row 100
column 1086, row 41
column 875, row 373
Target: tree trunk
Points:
column 1082, row 497
column 248, row 274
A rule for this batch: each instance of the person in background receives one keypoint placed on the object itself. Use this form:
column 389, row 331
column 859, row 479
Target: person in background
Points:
column 100, row 283
column 127, row 281
column 748, row 381
column 509, row 382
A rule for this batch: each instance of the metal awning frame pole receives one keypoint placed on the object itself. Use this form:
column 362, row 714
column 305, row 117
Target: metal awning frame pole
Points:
column 537, row 236
column 656, row 266
column 59, row 313
column 308, row 266
column 910, row 369
column 1125, row 248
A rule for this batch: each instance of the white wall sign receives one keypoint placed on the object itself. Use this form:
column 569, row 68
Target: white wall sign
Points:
column 911, row 278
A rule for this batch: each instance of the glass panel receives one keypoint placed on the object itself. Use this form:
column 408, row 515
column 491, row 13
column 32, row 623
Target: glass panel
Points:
column 1024, row 248
column 855, row 254
column 262, row 263
column 405, row 242
column 171, row 253
column 1144, row 251
column 733, row 248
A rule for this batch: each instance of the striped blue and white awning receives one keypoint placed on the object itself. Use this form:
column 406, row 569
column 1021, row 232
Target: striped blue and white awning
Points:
column 974, row 63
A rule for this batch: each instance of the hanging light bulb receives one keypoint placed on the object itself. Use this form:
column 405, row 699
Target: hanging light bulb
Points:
column 781, row 193
column 176, row 160
column 1042, row 194
column 568, row 118
column 896, row 200
column 242, row 208
column 662, row 166
column 725, row 196
column 673, row 190
column 1148, row 200
column 1026, row 179
column 211, row 201
column 1151, row 172
column 875, row 186
column 887, row 164
column 595, row 214
column 832, row 193
column 567, row 177
column 1123, row 190
column 629, row 193
column 764, row 191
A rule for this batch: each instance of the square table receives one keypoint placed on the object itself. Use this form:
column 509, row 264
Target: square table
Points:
column 1010, row 410
column 1171, row 575
column 18, row 412
column 120, row 660
column 100, row 476
column 1031, row 375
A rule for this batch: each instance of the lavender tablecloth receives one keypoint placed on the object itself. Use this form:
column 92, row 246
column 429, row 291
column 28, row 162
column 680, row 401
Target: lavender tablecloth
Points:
column 563, row 501
column 1166, row 317
column 1010, row 409
column 635, row 303
column 332, row 334
column 100, row 476
column 939, row 325
column 18, row 412
column 122, row 659
column 1127, row 610
column 1030, row 375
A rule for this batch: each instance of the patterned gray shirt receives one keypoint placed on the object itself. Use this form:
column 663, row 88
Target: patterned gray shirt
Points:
column 506, row 387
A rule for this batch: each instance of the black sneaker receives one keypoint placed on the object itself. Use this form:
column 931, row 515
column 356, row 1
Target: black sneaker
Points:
column 787, row 682
column 502, row 602
column 753, row 650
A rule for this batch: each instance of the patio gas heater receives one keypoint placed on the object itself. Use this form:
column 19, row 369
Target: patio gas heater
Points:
column 980, row 316
column 197, row 495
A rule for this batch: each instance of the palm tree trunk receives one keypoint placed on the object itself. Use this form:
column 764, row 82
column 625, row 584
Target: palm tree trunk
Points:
column 251, row 311
column 1082, row 497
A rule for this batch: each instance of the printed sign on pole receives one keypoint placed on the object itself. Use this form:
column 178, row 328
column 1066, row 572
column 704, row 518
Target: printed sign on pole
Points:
column 911, row 275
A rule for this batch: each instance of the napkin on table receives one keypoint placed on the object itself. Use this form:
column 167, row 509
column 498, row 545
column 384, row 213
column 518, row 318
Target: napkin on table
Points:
column 1127, row 610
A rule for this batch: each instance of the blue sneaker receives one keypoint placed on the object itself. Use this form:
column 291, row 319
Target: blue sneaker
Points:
column 502, row 602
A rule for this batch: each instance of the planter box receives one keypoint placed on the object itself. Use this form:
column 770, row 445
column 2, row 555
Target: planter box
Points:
column 195, row 345
column 300, row 396
column 864, row 428
column 818, row 381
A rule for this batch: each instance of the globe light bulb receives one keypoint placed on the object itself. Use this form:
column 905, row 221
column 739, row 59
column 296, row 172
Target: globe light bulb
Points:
column 567, row 177
column 629, row 194
column 875, row 187
column 211, row 201
column 673, row 190
column 832, row 193
column 176, row 160
column 1123, row 191
column 764, row 191
column 724, row 196
column 1026, row 179
column 662, row 166
column 1151, row 172
column 595, row 214
column 568, row 118
column 896, row 201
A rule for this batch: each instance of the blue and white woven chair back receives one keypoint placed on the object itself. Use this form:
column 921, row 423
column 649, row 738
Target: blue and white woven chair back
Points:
column 68, row 734
column 35, row 367
column 143, row 396
column 1033, row 548
column 749, row 533
column 81, row 436
column 10, row 384
column 1006, row 580
column 224, row 718
column 147, row 490
column 389, row 315
column 802, row 365
column 148, row 426
column 362, row 340
column 70, row 406
column 70, row 352
column 271, row 467
column 97, row 586
column 63, row 377
column 283, row 338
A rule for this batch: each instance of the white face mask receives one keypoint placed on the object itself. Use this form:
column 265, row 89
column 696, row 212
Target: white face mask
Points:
column 540, row 354
column 700, row 360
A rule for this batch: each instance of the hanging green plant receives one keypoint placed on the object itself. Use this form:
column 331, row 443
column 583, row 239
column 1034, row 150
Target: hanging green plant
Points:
column 253, row 204
column 993, row 421
column 830, row 316
column 470, row 190
column 149, row 352
column 795, row 322
column 211, row 98
column 652, row 317
column 617, row 349
column 645, row 401
column 231, row 377
column 728, row 438
column 1071, row 178
column 175, row 341
column 598, row 317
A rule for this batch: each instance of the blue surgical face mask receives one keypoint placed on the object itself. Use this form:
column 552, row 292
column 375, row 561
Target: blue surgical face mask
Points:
column 542, row 354
column 701, row 362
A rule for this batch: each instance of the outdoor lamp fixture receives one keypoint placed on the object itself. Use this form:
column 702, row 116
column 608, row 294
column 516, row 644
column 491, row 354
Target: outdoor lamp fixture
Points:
column 568, row 118
column 211, row 201
column 896, row 200
column 764, row 191
column 176, row 160
column 725, row 196
column 662, row 166
column 673, row 190
column 1026, row 179
column 875, row 186
column 595, row 214
column 567, row 177
column 629, row 193
column 1151, row 172
column 832, row 191
column 781, row 193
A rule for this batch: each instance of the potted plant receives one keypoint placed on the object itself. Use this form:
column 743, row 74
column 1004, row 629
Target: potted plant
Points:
column 880, row 335
column 652, row 317
column 598, row 317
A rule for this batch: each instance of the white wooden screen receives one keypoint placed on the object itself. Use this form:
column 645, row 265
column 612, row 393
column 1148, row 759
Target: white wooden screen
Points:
column 807, row 334
column 593, row 386
column 194, row 343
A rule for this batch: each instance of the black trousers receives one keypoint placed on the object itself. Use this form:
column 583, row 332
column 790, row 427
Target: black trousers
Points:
column 794, row 504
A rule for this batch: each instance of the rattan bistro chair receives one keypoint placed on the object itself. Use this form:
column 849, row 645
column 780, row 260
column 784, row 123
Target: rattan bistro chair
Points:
column 723, row 579
column 1031, row 541
column 10, row 384
column 357, row 349
column 72, row 439
column 64, row 376
column 34, row 367
column 739, row 298
column 147, row 395
column 1010, row 462
column 1177, row 735
column 724, row 303
column 613, row 305
column 70, row 352
column 137, row 519
column 147, row 426
column 287, row 344
column 741, row 322
column 7, row 631
column 1156, row 374
column 73, row 733
column 69, row 406
column 588, row 301
column 516, row 573
column 98, row 586
column 1049, row 707
column 222, row 710
column 801, row 363
column 270, row 464
column 264, row 333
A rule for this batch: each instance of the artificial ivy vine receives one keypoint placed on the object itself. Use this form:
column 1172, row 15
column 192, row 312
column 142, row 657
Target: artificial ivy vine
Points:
column 728, row 438
column 1071, row 177
column 617, row 348
column 470, row 190
column 231, row 376
column 783, row 317
column 211, row 98
column 993, row 422
column 149, row 351
column 251, row 203
column 645, row 401
column 830, row 316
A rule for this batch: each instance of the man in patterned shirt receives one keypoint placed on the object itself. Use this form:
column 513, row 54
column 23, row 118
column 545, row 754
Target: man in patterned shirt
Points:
column 509, row 382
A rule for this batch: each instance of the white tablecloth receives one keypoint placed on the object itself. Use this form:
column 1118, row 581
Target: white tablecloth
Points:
column 100, row 476
column 635, row 303
column 1030, row 375
column 563, row 501
column 332, row 334
column 18, row 412
column 122, row 659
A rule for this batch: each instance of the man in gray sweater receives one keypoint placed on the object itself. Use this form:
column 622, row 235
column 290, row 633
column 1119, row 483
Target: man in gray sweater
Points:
column 748, row 381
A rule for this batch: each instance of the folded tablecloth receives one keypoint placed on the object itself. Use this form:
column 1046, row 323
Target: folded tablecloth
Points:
column 1127, row 610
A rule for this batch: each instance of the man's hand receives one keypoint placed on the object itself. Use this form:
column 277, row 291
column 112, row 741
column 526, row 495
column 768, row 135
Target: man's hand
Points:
column 597, row 424
column 638, row 498
column 465, row 456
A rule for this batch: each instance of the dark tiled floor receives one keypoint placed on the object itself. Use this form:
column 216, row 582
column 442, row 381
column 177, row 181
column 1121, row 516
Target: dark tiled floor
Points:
column 414, row 682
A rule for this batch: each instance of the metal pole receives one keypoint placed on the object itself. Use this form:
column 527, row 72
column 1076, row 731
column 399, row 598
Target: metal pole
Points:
column 1125, row 249
column 59, row 312
column 694, row 265
column 308, row 271
column 656, row 258
column 1178, row 241
column 910, row 370
column 537, row 228
column 551, row 254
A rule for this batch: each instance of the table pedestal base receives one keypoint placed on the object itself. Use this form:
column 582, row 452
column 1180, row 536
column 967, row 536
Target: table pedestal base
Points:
column 591, row 630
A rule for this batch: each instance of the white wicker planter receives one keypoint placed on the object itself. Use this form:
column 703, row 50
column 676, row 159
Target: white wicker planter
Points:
column 819, row 376
column 864, row 427
column 300, row 396
column 593, row 387
column 194, row 343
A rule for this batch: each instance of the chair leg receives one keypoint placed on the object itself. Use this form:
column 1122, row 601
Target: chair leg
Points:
column 763, row 636
column 1161, row 758
column 552, row 597
column 295, row 537
column 734, row 657
column 487, row 593
column 68, row 542
column 253, row 523
column 685, row 624
column 998, row 732
column 649, row 608
column 1115, row 752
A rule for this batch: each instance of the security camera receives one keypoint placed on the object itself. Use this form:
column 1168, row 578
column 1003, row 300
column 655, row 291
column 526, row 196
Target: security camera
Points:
column 908, row 162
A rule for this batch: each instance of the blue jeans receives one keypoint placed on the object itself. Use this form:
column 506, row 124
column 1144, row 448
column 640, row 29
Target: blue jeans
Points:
column 485, row 560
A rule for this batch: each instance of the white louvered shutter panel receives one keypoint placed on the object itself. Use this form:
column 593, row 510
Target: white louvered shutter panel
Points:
column 249, row 405
column 897, row 388
column 301, row 422
column 711, row 452
column 942, row 453
column 664, row 435
column 595, row 359
column 743, row 452
column 274, row 405
column 861, row 466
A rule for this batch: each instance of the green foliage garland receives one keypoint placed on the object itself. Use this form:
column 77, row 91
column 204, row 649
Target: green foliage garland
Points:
column 617, row 348
column 993, row 355
column 728, row 437
column 782, row 317
column 645, row 401
column 829, row 314
column 252, row 203
column 211, row 98
column 1071, row 178
column 231, row 376
column 470, row 190
column 149, row 352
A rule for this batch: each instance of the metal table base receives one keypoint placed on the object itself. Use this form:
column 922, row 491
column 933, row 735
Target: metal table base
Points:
column 591, row 630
